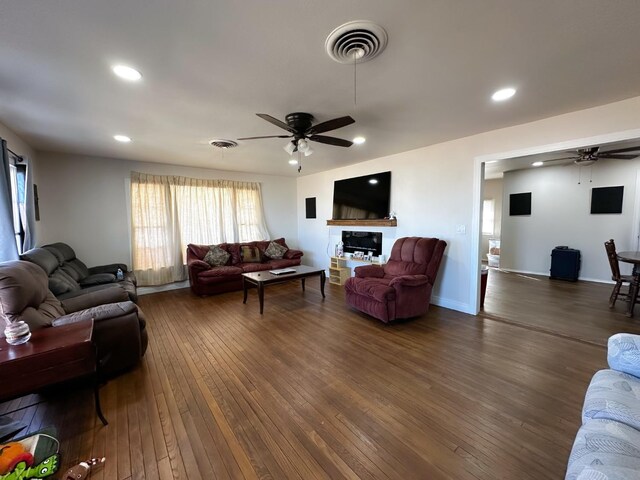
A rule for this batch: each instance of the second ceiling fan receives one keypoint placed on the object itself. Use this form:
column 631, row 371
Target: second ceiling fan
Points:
column 301, row 130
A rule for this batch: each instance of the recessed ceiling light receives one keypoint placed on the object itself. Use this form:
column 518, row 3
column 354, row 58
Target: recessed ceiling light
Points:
column 503, row 94
column 537, row 164
column 293, row 161
column 127, row 73
column 373, row 181
column 359, row 140
column 122, row 138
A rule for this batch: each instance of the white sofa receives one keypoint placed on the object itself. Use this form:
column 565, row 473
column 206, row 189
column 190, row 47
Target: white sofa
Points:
column 607, row 446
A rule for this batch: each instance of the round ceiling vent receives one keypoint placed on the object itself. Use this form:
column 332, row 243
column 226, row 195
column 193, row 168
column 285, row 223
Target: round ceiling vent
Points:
column 360, row 39
column 221, row 143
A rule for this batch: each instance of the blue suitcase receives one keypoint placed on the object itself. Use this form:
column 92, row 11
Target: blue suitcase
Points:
column 565, row 264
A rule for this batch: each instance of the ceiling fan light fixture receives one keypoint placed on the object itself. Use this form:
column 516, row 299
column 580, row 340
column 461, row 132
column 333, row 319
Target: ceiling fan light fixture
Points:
column 308, row 151
column 290, row 147
column 359, row 140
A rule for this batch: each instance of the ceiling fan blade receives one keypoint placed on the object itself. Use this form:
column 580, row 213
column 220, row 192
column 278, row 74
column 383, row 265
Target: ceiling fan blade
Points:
column 268, row 136
column 276, row 122
column 330, row 125
column 559, row 159
column 621, row 150
column 618, row 156
column 338, row 142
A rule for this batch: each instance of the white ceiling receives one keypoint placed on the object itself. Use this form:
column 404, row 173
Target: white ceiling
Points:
column 209, row 66
column 496, row 169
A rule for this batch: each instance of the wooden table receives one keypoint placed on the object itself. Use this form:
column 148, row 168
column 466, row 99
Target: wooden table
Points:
column 52, row 355
column 261, row 279
column 632, row 257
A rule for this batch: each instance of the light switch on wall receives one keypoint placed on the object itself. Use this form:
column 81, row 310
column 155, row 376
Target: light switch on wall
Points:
column 461, row 229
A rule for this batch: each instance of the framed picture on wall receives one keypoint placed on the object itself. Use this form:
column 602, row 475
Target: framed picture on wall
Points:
column 607, row 199
column 520, row 204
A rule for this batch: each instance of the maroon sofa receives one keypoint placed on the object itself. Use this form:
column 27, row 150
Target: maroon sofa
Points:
column 207, row 280
column 402, row 287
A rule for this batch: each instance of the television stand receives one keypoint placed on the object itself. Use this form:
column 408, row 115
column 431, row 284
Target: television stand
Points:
column 339, row 271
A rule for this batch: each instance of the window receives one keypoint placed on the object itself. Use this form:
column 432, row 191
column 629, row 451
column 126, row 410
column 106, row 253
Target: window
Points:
column 488, row 216
column 168, row 213
column 18, row 181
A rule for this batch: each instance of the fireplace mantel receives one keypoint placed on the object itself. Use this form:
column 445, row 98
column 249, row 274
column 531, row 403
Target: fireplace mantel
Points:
column 380, row 222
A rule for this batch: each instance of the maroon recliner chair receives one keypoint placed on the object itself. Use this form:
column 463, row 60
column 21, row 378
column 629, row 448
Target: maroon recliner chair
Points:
column 402, row 287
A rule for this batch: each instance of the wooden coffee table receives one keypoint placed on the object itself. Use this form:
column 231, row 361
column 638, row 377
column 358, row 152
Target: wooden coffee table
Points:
column 264, row 278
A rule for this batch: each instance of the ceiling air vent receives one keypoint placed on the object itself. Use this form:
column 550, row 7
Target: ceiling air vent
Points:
column 361, row 39
column 220, row 143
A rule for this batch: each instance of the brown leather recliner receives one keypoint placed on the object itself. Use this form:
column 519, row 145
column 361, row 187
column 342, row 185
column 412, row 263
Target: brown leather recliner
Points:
column 119, row 325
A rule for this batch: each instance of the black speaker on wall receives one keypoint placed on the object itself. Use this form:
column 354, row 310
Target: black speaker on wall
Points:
column 520, row 204
column 607, row 199
column 310, row 204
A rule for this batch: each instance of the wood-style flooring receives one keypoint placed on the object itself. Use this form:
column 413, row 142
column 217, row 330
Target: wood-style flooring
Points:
column 314, row 390
column 578, row 310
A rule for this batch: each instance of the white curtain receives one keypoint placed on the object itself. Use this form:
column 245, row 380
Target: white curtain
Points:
column 8, row 246
column 168, row 212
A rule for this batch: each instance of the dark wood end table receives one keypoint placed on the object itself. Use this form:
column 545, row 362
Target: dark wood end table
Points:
column 264, row 278
column 52, row 355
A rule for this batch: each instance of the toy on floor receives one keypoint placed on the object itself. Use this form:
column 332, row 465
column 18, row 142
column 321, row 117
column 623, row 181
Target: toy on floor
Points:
column 34, row 456
column 21, row 470
column 82, row 470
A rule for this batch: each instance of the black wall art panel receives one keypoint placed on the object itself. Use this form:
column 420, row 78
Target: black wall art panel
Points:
column 520, row 204
column 310, row 207
column 606, row 199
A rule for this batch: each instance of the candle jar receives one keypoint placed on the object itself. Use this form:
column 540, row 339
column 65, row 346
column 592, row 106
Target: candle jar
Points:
column 17, row 333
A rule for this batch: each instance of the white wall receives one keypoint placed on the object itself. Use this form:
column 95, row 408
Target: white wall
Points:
column 560, row 215
column 492, row 191
column 432, row 189
column 84, row 201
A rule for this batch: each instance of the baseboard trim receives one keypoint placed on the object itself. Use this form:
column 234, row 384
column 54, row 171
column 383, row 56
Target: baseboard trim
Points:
column 546, row 274
column 163, row 288
column 452, row 304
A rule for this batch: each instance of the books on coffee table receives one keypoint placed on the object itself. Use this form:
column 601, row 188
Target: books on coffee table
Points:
column 282, row 271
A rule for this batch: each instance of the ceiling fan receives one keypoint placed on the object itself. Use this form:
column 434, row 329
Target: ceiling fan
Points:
column 301, row 129
column 588, row 156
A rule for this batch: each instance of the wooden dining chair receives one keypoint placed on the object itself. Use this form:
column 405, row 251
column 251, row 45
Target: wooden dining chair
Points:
column 610, row 247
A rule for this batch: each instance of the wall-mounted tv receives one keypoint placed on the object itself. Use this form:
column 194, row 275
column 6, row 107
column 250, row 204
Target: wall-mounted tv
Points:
column 359, row 198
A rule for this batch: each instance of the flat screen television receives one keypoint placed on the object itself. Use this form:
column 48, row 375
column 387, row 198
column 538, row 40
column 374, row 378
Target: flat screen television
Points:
column 365, row 197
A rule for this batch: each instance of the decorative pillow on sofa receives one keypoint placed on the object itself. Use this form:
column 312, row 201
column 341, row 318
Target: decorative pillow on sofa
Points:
column 216, row 256
column 250, row 254
column 275, row 251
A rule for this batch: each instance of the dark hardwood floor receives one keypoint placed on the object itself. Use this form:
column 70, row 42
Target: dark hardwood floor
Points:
column 312, row 389
column 578, row 310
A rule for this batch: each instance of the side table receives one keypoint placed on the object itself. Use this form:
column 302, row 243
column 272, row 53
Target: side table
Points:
column 52, row 355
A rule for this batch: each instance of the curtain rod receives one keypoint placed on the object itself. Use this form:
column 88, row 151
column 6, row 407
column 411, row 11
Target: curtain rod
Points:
column 19, row 157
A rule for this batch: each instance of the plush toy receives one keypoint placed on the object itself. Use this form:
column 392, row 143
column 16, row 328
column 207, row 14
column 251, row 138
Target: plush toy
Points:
column 23, row 472
column 34, row 456
column 82, row 470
